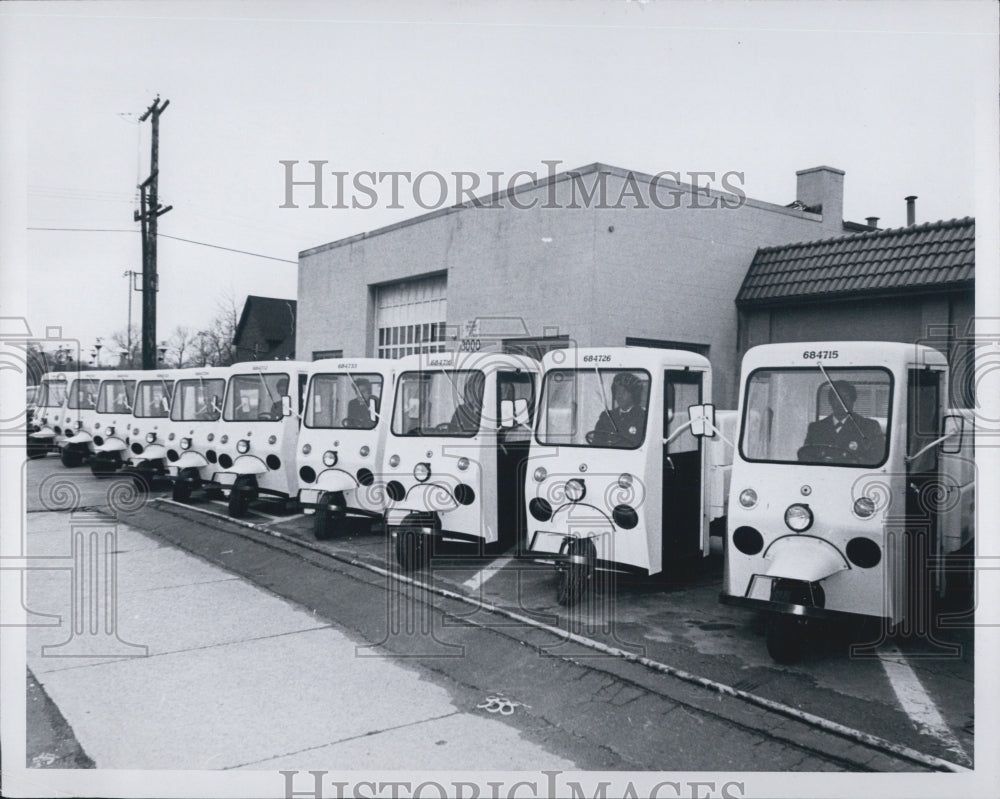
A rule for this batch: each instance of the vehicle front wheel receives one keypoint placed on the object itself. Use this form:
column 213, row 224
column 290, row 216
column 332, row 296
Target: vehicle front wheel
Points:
column 105, row 464
column 328, row 517
column 412, row 549
column 786, row 638
column 70, row 456
column 576, row 576
column 182, row 486
column 240, row 497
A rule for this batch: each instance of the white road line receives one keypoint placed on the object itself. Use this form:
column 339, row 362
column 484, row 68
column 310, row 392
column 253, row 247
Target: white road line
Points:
column 916, row 701
column 480, row 579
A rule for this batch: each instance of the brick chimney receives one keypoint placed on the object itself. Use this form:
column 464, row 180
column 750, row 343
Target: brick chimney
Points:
column 822, row 189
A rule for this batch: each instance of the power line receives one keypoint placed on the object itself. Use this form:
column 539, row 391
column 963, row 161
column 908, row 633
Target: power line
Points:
column 165, row 236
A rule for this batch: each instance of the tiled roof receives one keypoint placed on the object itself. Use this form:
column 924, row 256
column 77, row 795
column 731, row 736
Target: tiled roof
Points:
column 929, row 256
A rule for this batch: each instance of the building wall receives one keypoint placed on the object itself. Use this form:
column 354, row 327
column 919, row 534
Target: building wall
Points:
column 940, row 320
column 596, row 274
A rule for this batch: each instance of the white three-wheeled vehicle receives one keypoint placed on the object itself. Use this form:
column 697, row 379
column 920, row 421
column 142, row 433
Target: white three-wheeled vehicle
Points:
column 841, row 501
column 456, row 449
column 617, row 477
column 80, row 418
column 258, row 433
column 50, row 415
column 147, row 436
column 342, row 439
column 115, row 399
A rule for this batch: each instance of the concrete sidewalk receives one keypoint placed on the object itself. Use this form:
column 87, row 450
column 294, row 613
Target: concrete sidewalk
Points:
column 209, row 672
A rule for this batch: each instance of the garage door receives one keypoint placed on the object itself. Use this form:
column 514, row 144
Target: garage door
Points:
column 410, row 316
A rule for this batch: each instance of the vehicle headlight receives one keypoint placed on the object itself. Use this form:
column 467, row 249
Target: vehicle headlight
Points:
column 110, row 431
column 463, row 463
column 243, row 446
column 748, row 498
column 394, row 461
column 422, row 471
column 540, row 474
column 798, row 517
column 150, row 438
column 306, row 449
column 625, row 480
column 329, row 458
column 575, row 490
column 364, row 451
column 864, row 507
column 272, row 439
column 185, row 443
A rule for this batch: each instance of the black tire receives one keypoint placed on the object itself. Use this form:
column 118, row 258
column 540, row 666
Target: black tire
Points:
column 412, row 549
column 576, row 578
column 181, row 491
column 328, row 518
column 786, row 638
column 70, row 456
column 35, row 451
column 102, row 465
column 240, row 497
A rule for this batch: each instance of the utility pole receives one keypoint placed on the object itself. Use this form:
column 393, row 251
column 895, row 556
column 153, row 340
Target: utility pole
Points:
column 150, row 209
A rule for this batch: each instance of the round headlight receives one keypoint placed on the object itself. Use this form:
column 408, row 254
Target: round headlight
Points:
column 306, row 449
column 798, row 517
column 364, row 451
column 224, row 439
column 185, row 443
column 272, row 439
column 394, row 461
column 463, row 464
column 540, row 474
column 748, row 498
column 422, row 471
column 150, row 438
column 111, row 431
column 864, row 507
column 329, row 458
column 243, row 446
column 625, row 481
column 575, row 490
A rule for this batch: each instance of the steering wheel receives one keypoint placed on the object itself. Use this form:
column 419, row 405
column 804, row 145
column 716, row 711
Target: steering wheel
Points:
column 826, row 453
column 444, row 427
column 604, row 438
column 267, row 416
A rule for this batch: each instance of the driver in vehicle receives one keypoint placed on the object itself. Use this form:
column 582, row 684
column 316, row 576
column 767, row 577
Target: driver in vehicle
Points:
column 844, row 436
column 276, row 410
column 626, row 421
column 358, row 414
column 465, row 419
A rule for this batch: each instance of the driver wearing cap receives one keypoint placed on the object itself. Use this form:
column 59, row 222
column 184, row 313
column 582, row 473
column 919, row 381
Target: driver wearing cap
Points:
column 626, row 421
column 848, row 437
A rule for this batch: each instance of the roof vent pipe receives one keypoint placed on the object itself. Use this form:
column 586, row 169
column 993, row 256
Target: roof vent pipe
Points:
column 911, row 210
column 872, row 222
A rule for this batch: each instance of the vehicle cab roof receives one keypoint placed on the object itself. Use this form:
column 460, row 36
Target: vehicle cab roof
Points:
column 624, row 358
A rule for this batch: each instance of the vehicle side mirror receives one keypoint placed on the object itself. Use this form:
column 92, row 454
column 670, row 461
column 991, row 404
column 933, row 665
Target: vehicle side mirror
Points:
column 954, row 429
column 286, row 405
column 506, row 413
column 702, row 420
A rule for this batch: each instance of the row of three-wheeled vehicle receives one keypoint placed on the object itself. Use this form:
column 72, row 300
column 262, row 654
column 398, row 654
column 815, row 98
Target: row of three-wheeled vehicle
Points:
column 602, row 459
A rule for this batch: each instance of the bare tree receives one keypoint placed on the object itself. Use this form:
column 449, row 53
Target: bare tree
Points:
column 128, row 348
column 181, row 348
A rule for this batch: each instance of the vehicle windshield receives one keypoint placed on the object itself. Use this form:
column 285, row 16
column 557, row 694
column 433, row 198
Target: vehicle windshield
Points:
column 116, row 396
column 439, row 403
column 52, row 394
column 817, row 416
column 197, row 400
column 256, row 397
column 83, row 394
column 153, row 399
column 594, row 408
column 349, row 400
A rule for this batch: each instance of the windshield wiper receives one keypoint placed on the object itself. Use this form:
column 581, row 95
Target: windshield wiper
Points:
column 841, row 401
column 604, row 399
column 370, row 409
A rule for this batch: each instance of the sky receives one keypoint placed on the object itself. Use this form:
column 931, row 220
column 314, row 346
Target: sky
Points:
column 886, row 92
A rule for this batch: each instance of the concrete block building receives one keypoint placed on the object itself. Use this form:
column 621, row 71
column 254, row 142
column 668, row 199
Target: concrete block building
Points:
column 595, row 256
